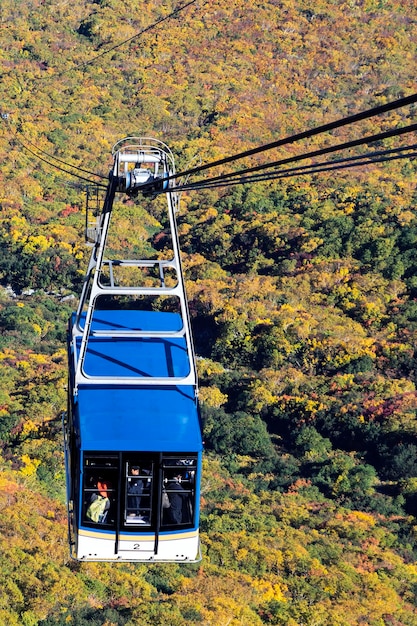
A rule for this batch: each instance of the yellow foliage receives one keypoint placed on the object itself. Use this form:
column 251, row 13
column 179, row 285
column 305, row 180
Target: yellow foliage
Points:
column 40, row 359
column 209, row 214
column 18, row 228
column 29, row 427
column 311, row 244
column 344, row 381
column 66, row 246
column 207, row 367
column 212, row 396
column 37, row 329
column 361, row 518
column 270, row 591
column 7, row 618
column 7, row 353
column 30, row 466
column 38, row 243
column 229, row 313
column 329, row 57
column 317, row 568
column 261, row 396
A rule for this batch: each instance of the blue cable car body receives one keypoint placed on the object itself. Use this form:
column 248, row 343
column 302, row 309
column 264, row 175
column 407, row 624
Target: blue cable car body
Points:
column 132, row 432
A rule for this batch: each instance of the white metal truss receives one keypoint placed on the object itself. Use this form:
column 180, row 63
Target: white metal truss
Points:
column 153, row 162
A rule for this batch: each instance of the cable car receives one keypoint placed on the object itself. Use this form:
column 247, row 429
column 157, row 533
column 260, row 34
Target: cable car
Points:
column 132, row 431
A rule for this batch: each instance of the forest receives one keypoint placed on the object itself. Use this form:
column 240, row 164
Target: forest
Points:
column 302, row 293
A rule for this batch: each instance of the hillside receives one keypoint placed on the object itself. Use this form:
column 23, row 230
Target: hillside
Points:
column 302, row 292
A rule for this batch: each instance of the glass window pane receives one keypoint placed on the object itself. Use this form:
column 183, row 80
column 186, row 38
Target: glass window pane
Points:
column 139, row 482
column 178, row 496
column 100, row 493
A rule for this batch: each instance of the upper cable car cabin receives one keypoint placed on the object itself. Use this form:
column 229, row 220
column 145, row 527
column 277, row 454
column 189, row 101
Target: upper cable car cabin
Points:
column 133, row 442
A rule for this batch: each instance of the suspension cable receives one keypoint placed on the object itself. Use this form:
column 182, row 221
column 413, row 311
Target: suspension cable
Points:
column 88, row 180
column 390, row 106
column 354, row 161
column 314, row 153
column 142, row 32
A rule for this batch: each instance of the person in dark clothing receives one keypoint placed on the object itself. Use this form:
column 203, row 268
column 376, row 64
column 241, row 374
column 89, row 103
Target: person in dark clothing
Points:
column 134, row 491
column 179, row 510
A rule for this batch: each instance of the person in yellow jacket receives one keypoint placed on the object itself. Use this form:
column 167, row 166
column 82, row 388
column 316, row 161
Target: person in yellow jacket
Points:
column 99, row 503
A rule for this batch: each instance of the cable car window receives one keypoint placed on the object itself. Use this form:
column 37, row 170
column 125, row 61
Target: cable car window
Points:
column 178, row 493
column 100, row 489
column 139, row 480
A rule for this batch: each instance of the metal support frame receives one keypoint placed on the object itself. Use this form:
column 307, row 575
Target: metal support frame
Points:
column 130, row 151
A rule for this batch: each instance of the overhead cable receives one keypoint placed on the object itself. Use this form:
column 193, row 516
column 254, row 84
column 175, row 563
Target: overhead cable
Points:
column 314, row 153
column 118, row 45
column 5, row 116
column 35, row 154
column 142, row 32
column 384, row 108
column 92, row 182
column 81, row 169
column 313, row 168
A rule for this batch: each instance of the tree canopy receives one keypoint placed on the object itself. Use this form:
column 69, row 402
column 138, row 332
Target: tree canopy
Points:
column 302, row 294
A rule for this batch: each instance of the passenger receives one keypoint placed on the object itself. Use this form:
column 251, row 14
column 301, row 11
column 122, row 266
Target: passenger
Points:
column 99, row 502
column 179, row 510
column 135, row 487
